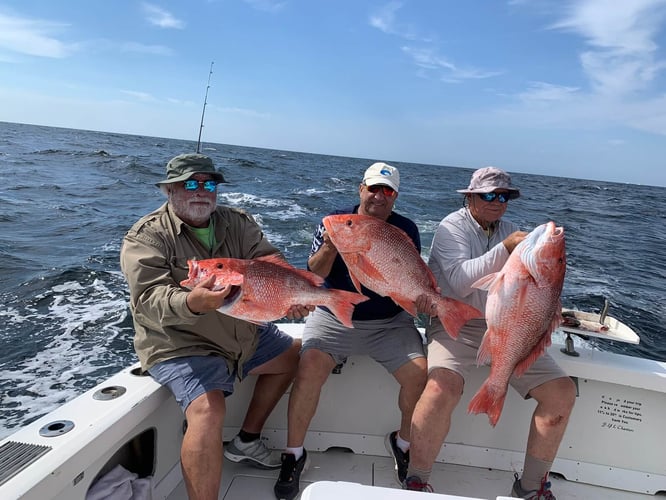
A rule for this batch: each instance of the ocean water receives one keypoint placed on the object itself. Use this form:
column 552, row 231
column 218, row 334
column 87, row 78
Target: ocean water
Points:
column 68, row 196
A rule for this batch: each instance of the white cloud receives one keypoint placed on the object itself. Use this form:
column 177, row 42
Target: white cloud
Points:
column 385, row 21
column 622, row 55
column 162, row 18
column 32, row 37
column 425, row 57
column 429, row 59
column 541, row 91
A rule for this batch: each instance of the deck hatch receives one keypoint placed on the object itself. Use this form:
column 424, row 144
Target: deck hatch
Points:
column 15, row 456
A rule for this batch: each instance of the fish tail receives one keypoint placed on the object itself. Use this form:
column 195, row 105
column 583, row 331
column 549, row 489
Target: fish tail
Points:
column 454, row 314
column 342, row 305
column 489, row 399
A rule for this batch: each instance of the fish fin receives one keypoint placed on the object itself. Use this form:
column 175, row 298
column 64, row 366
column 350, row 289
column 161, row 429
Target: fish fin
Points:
column 362, row 262
column 453, row 314
column 483, row 354
column 257, row 322
column 490, row 400
column 342, row 304
column 356, row 282
column 406, row 304
column 350, row 261
column 485, row 282
column 312, row 278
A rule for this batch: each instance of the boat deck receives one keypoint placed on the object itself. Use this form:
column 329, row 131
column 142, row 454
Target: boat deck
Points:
column 242, row 482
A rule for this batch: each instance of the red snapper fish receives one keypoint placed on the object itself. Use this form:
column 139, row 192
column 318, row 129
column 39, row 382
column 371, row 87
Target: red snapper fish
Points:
column 384, row 259
column 264, row 289
column 522, row 311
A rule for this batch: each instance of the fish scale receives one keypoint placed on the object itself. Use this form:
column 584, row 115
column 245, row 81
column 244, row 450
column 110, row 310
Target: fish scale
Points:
column 384, row 259
column 267, row 287
column 522, row 310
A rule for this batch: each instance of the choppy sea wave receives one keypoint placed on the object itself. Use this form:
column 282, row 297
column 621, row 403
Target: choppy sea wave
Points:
column 68, row 196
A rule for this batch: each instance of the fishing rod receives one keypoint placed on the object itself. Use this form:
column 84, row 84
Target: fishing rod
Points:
column 203, row 111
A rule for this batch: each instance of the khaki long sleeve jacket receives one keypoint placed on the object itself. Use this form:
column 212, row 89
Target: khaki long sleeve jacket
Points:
column 154, row 257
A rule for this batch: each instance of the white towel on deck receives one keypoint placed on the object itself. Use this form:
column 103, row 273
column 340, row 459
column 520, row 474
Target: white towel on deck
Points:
column 121, row 484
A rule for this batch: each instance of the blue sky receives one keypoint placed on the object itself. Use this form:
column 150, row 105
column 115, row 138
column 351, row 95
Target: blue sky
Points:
column 573, row 89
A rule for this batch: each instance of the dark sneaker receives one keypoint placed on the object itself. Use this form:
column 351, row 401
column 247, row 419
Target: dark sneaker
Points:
column 287, row 487
column 542, row 493
column 401, row 458
column 254, row 453
column 414, row 483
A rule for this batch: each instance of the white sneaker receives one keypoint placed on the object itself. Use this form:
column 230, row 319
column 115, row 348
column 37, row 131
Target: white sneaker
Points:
column 253, row 453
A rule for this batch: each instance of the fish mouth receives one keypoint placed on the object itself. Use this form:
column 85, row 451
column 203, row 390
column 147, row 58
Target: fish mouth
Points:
column 556, row 232
column 549, row 232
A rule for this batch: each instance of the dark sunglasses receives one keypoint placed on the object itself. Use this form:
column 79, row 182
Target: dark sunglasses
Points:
column 502, row 197
column 388, row 191
column 193, row 185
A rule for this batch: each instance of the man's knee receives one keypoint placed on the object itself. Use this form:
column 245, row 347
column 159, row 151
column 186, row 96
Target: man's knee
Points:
column 558, row 395
column 209, row 409
column 314, row 367
column 444, row 385
column 567, row 392
column 412, row 376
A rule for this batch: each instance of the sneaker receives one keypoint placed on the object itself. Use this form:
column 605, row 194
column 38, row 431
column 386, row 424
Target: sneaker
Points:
column 414, row 483
column 542, row 493
column 287, row 485
column 254, row 453
column 401, row 458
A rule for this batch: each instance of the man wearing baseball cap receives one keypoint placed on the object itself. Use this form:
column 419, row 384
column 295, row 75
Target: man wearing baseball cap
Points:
column 382, row 330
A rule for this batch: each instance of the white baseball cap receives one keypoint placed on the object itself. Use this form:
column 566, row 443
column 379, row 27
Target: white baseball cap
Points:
column 383, row 174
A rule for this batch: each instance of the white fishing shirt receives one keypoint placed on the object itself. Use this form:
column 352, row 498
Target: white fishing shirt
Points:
column 462, row 252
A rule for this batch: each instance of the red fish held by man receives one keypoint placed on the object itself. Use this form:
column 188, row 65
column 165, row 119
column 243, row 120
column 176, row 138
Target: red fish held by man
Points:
column 522, row 311
column 384, row 259
column 264, row 289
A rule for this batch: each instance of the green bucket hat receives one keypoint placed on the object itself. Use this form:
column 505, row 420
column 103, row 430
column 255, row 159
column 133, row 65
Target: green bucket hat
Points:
column 182, row 167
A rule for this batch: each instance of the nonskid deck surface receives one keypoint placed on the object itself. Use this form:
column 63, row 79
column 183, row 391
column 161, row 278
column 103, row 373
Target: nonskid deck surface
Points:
column 242, row 482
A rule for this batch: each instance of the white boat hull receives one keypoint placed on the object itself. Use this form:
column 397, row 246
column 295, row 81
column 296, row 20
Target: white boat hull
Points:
column 613, row 440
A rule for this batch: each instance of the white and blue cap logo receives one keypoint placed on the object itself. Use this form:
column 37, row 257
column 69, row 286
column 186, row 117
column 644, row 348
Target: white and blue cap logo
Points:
column 383, row 174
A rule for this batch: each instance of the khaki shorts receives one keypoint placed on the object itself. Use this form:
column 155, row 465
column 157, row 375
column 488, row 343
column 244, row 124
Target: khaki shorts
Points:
column 460, row 356
column 391, row 342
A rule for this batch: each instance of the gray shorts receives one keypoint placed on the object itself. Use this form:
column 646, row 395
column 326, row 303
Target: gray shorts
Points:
column 460, row 356
column 190, row 377
column 392, row 342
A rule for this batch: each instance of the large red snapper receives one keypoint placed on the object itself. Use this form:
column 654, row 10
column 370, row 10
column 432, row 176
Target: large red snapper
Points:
column 264, row 289
column 384, row 259
column 522, row 310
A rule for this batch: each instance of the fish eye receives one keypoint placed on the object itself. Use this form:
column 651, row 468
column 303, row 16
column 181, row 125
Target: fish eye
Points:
column 219, row 266
column 349, row 222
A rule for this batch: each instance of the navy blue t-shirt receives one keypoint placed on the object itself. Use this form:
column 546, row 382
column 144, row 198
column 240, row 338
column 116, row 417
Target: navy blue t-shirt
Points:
column 377, row 307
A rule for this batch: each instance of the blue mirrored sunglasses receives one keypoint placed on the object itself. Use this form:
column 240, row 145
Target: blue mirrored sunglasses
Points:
column 501, row 197
column 193, row 185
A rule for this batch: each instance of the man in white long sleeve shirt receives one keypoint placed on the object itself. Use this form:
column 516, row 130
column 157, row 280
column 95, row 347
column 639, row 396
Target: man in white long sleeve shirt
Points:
column 471, row 243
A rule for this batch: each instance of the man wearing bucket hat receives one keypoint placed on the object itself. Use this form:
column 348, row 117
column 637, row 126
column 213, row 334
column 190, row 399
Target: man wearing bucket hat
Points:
column 180, row 338
column 470, row 243
column 382, row 330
